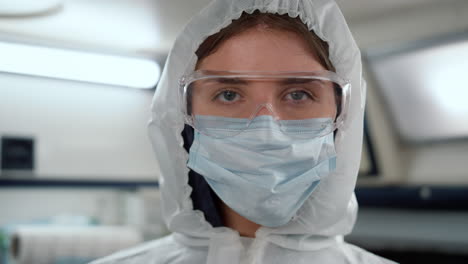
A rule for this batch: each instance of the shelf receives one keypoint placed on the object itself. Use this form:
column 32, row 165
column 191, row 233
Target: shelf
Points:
column 60, row 183
column 414, row 197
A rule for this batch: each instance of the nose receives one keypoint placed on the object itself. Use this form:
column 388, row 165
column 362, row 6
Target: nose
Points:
column 264, row 109
column 264, row 98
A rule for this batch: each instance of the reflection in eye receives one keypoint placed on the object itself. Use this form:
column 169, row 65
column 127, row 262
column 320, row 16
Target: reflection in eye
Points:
column 298, row 96
column 227, row 96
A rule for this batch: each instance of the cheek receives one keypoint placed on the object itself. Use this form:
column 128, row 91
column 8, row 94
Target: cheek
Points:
column 193, row 103
column 198, row 107
column 330, row 105
column 334, row 106
column 202, row 107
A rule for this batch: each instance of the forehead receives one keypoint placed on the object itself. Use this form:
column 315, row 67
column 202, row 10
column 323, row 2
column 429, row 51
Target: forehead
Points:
column 262, row 49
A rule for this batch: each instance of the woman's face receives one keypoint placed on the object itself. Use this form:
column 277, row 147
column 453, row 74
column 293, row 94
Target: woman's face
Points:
column 265, row 50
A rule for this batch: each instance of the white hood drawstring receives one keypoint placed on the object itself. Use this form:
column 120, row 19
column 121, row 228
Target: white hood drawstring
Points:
column 225, row 246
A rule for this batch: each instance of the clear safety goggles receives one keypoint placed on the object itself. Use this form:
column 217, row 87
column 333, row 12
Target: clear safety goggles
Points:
column 303, row 104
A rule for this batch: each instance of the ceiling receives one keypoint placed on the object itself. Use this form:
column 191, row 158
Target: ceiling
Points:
column 362, row 9
column 135, row 27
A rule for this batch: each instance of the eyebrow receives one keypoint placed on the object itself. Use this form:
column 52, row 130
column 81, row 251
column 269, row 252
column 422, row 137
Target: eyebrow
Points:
column 240, row 81
column 297, row 81
column 228, row 81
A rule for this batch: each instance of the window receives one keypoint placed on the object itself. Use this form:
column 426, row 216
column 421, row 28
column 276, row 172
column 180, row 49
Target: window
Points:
column 425, row 87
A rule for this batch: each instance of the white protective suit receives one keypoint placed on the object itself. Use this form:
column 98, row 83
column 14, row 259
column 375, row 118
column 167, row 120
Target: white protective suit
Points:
column 316, row 234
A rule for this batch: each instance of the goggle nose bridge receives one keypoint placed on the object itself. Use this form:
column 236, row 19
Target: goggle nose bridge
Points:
column 259, row 108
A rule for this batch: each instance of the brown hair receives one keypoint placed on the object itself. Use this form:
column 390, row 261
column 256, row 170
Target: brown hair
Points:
column 317, row 46
column 274, row 21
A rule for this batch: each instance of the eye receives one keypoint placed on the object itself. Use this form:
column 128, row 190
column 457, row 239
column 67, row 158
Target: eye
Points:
column 298, row 96
column 227, row 96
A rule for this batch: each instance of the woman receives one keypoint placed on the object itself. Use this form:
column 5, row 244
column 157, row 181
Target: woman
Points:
column 258, row 135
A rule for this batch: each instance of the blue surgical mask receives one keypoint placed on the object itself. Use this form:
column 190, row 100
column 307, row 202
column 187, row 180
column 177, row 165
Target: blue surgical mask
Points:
column 262, row 173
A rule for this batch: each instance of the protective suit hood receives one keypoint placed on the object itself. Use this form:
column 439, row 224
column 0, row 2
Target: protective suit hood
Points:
column 331, row 210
